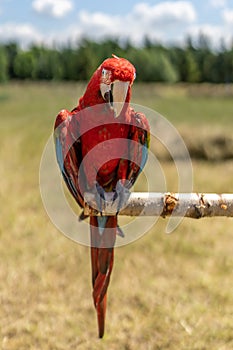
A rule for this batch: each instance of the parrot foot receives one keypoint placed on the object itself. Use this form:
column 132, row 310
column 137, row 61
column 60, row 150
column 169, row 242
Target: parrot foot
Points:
column 82, row 216
column 120, row 232
column 122, row 193
column 99, row 197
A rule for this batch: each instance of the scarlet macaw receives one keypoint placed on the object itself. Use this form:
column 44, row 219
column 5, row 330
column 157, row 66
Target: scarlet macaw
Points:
column 101, row 141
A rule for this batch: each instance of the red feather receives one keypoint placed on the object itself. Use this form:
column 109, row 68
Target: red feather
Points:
column 92, row 145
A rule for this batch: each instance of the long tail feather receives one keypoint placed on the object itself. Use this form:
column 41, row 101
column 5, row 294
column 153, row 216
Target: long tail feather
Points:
column 102, row 256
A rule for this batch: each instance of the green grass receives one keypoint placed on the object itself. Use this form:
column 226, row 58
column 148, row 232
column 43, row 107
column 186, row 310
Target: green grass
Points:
column 167, row 291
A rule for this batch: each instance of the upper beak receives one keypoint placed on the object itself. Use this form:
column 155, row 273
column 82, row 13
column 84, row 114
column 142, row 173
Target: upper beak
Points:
column 115, row 94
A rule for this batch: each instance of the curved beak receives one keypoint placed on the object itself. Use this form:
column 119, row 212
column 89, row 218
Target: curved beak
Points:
column 115, row 94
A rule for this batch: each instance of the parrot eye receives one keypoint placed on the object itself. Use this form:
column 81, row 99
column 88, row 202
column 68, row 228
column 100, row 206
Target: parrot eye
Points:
column 106, row 76
column 104, row 73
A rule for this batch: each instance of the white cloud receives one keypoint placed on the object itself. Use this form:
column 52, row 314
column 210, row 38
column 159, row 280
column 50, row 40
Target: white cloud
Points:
column 167, row 21
column 144, row 19
column 166, row 12
column 228, row 17
column 54, row 8
column 24, row 33
column 99, row 22
column 218, row 3
column 162, row 22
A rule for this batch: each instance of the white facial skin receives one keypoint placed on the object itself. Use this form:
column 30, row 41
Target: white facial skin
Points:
column 113, row 92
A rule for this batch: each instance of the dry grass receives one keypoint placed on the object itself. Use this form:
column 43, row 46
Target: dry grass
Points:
column 167, row 291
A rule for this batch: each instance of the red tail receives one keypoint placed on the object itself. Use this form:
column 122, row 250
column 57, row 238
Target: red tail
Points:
column 102, row 255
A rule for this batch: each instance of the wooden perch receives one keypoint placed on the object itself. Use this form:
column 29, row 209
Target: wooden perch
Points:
column 191, row 205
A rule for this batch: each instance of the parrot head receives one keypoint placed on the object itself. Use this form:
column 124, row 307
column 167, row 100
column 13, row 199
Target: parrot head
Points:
column 111, row 84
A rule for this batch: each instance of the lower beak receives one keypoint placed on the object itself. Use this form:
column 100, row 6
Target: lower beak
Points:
column 115, row 94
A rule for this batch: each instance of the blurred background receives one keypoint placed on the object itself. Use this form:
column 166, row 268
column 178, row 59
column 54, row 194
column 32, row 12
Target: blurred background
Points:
column 167, row 291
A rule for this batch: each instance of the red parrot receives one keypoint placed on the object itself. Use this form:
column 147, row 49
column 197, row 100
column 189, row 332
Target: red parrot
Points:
column 102, row 146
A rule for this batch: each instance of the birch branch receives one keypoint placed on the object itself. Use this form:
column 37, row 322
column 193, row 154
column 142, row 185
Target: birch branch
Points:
column 191, row 205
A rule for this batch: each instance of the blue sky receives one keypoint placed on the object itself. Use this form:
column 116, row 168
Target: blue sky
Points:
column 50, row 21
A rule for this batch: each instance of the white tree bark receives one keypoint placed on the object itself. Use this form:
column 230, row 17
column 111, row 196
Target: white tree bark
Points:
column 191, row 205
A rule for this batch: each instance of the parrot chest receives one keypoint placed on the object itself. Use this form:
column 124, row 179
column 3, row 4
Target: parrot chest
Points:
column 102, row 149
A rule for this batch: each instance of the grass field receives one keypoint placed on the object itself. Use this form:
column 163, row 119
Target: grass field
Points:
column 167, row 291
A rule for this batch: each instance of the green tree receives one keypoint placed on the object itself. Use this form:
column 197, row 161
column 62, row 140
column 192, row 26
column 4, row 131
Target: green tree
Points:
column 185, row 64
column 24, row 65
column 12, row 50
column 3, row 65
column 48, row 64
column 195, row 62
column 153, row 65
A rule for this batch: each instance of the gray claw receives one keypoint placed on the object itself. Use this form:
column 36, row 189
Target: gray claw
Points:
column 120, row 232
column 82, row 216
column 100, row 197
column 123, row 193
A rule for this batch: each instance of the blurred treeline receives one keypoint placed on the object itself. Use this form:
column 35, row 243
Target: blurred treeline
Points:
column 154, row 62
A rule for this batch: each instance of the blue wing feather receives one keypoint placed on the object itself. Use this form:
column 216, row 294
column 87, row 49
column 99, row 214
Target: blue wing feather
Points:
column 60, row 160
column 59, row 155
column 144, row 158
